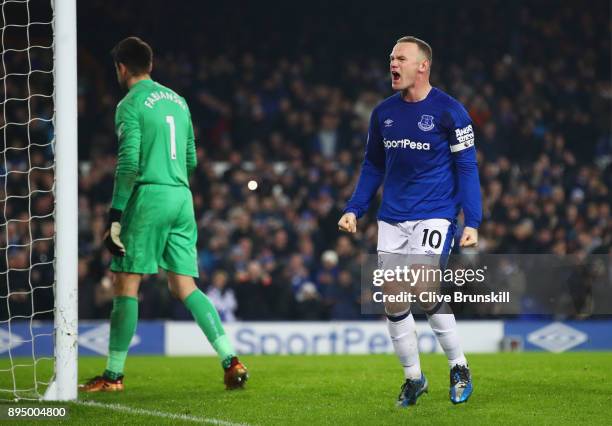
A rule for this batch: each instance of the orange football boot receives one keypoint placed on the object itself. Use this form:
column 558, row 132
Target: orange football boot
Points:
column 102, row 384
column 235, row 375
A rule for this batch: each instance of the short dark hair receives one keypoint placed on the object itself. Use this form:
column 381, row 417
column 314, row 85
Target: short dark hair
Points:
column 135, row 54
column 423, row 46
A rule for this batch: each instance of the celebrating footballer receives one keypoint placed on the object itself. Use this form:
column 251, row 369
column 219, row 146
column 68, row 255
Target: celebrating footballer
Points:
column 420, row 147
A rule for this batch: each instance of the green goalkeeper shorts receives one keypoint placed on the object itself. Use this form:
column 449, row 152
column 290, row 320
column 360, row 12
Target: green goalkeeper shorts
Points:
column 158, row 230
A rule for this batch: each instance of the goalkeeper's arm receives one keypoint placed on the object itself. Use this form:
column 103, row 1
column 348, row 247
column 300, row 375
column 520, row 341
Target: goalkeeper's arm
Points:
column 128, row 133
column 192, row 159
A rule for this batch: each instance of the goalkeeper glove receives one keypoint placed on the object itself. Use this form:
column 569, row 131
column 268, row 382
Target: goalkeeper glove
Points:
column 111, row 237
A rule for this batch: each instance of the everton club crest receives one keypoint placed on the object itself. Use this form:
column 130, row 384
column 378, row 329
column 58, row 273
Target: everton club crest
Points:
column 426, row 123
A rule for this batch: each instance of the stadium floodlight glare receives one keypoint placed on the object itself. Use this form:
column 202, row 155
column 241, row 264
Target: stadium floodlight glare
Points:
column 39, row 121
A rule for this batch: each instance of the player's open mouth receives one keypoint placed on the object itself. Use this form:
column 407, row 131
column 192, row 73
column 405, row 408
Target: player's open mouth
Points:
column 395, row 76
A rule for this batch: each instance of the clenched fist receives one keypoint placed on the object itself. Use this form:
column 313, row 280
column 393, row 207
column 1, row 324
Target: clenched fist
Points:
column 348, row 223
column 469, row 237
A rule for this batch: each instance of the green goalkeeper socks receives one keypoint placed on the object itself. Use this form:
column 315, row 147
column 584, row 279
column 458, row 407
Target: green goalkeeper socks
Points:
column 208, row 319
column 124, row 318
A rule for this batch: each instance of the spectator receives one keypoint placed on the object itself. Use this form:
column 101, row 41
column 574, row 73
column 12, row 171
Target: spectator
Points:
column 223, row 297
column 297, row 124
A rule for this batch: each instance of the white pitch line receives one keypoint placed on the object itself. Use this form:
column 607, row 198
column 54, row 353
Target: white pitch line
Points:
column 157, row 413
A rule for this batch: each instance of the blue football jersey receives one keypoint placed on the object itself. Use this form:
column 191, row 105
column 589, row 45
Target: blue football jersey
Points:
column 423, row 152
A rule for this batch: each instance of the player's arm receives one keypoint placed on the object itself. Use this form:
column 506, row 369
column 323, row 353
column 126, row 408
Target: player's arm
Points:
column 127, row 126
column 372, row 175
column 192, row 159
column 461, row 140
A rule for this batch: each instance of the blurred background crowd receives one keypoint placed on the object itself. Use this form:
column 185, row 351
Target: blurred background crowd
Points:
column 286, row 102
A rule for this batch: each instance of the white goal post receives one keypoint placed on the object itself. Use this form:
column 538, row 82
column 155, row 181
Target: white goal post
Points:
column 63, row 387
column 38, row 200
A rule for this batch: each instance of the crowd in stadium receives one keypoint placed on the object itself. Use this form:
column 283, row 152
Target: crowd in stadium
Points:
column 540, row 103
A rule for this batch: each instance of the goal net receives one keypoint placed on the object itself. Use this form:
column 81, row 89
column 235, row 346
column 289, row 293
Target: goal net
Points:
column 38, row 123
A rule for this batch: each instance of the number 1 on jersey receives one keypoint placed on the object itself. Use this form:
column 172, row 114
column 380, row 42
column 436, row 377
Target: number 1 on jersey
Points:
column 170, row 121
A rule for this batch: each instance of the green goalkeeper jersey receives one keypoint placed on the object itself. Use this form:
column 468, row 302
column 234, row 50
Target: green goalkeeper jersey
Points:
column 156, row 142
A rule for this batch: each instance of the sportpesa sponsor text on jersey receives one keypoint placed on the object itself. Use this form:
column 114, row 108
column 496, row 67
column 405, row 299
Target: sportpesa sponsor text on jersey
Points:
column 424, row 153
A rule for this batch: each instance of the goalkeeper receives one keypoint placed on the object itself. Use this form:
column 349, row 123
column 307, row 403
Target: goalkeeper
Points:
column 151, row 220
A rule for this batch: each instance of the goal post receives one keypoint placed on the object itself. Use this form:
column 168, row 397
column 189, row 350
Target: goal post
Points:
column 38, row 200
column 63, row 387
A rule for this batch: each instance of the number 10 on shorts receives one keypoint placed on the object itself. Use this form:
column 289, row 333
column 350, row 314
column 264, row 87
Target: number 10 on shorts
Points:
column 434, row 238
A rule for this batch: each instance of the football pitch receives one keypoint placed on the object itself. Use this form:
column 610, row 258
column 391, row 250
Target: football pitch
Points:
column 518, row 388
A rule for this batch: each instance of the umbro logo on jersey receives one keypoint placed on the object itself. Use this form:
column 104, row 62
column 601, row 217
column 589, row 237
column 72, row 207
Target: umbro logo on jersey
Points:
column 426, row 123
column 388, row 122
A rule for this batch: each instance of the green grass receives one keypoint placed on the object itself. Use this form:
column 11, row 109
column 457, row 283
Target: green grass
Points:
column 533, row 388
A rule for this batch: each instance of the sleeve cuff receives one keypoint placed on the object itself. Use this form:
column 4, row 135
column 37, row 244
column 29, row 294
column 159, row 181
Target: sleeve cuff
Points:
column 114, row 215
column 352, row 210
column 472, row 224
